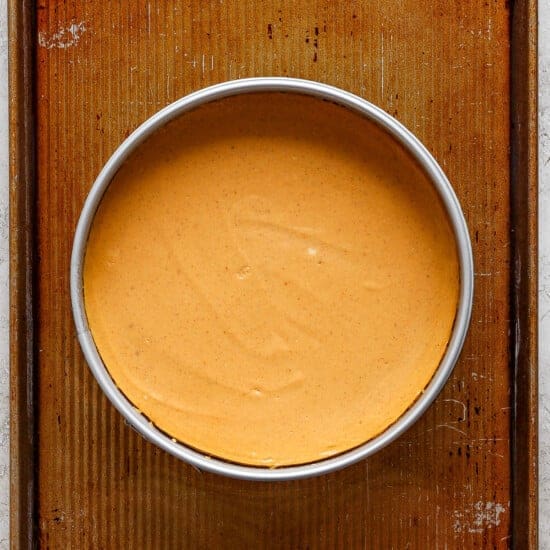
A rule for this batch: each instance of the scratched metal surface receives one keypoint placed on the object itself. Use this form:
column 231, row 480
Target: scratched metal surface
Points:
column 442, row 69
column 4, row 262
column 544, row 271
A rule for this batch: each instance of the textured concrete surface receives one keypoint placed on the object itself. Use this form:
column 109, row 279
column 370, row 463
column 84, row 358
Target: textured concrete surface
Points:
column 544, row 292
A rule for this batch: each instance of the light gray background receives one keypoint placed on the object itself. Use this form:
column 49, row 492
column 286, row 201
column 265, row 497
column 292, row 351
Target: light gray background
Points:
column 544, row 275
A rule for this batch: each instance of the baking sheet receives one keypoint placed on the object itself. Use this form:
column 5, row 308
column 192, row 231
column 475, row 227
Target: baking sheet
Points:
column 461, row 76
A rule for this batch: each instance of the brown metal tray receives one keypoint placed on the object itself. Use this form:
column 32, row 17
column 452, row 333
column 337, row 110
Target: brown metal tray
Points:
column 462, row 76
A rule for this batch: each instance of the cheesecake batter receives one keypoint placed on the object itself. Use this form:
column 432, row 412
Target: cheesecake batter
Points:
column 271, row 279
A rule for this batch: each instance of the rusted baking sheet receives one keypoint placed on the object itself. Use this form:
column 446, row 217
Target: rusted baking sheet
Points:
column 461, row 75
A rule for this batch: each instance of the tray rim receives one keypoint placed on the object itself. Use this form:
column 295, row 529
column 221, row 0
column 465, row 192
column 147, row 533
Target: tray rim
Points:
column 523, row 288
column 524, row 280
column 23, row 448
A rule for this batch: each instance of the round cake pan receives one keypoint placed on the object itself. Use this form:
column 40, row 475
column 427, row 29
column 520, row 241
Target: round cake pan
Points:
column 401, row 135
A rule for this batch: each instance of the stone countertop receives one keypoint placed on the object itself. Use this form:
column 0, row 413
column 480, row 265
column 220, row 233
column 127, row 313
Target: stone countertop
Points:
column 544, row 276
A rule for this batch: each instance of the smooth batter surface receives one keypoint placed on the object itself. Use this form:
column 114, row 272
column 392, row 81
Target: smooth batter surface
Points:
column 271, row 280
